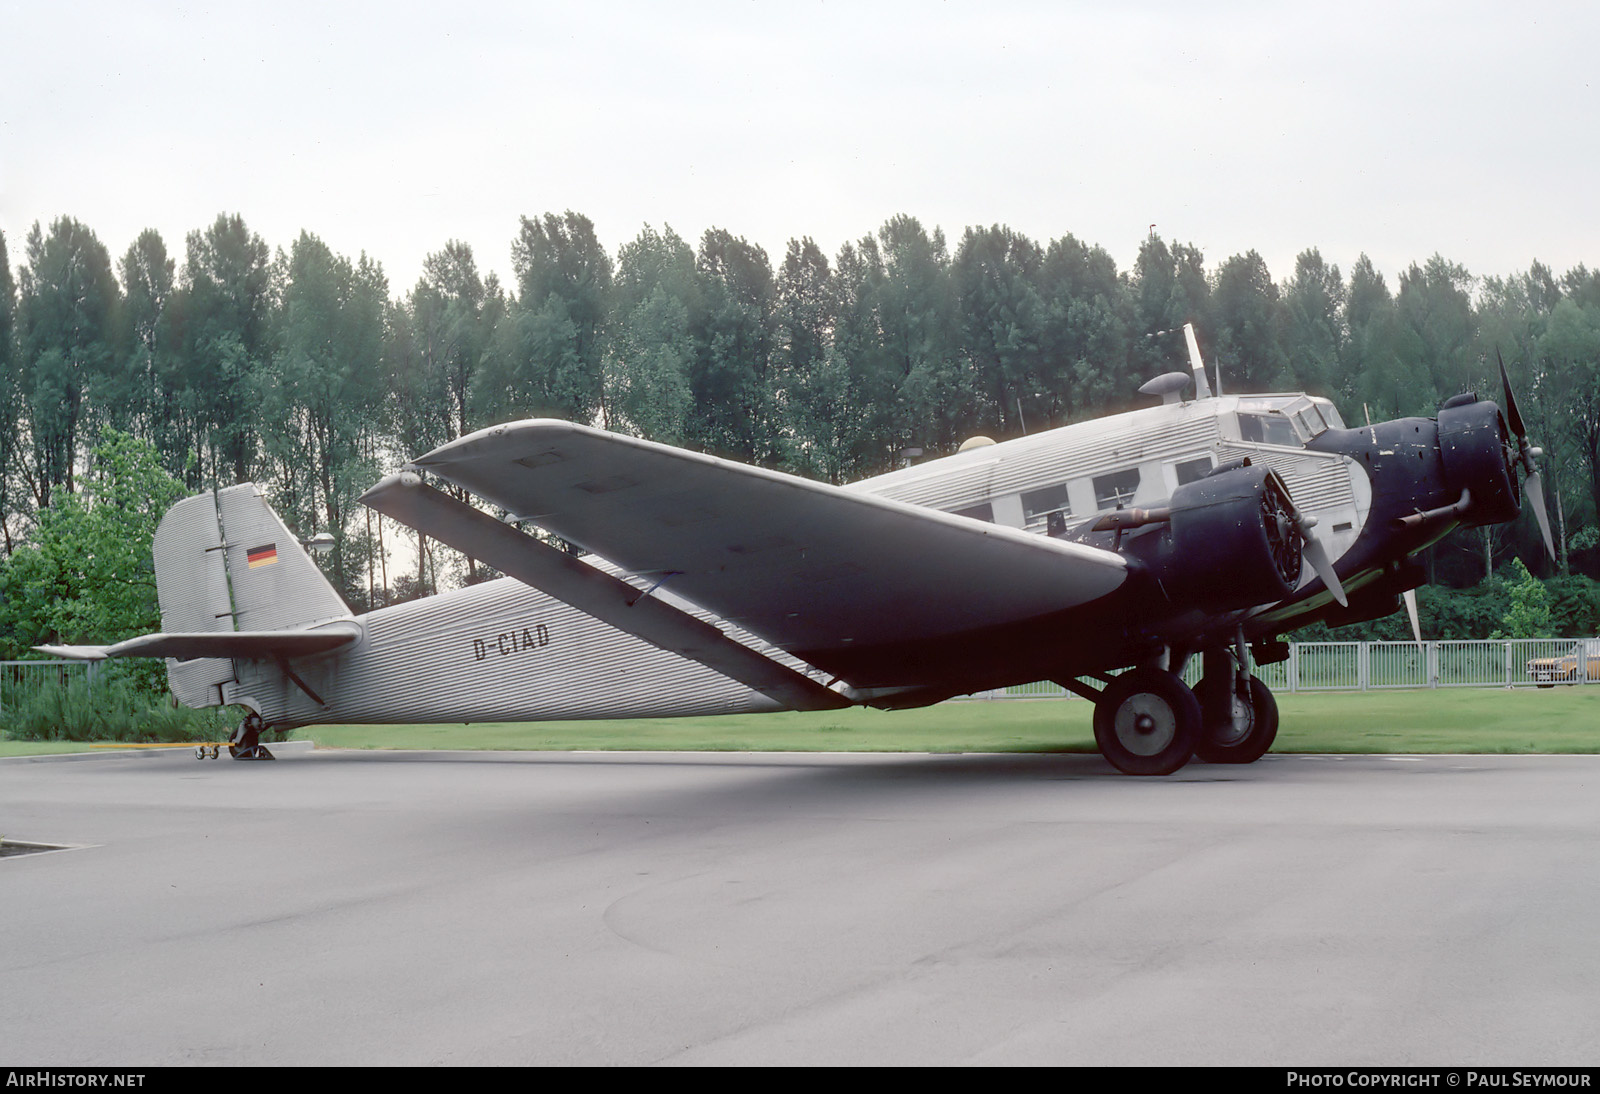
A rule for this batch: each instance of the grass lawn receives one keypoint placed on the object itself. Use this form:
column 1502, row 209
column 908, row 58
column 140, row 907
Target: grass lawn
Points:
column 1563, row 719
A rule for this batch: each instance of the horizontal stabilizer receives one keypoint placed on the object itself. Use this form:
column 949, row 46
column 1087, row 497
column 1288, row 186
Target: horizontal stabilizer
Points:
column 75, row 653
column 260, row 645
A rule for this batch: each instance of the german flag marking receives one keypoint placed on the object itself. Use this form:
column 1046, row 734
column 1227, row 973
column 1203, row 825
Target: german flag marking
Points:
column 262, row 556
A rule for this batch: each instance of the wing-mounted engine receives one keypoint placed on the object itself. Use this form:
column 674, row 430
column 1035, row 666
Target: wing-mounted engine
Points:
column 1233, row 540
column 1236, row 541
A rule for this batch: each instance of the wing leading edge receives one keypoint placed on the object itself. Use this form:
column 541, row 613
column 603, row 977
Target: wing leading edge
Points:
column 816, row 570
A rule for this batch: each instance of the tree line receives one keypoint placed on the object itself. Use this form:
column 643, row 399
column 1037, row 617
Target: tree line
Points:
column 301, row 369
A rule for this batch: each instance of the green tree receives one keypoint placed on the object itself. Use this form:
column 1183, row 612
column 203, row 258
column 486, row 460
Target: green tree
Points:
column 651, row 352
column 1000, row 320
column 1528, row 615
column 1438, row 329
column 438, row 349
column 730, row 374
column 11, row 404
column 862, row 362
column 1570, row 350
column 148, row 378
column 225, row 312
column 1373, row 369
column 922, row 385
column 320, row 400
column 549, row 357
column 1170, row 288
column 86, row 576
column 823, row 418
column 1247, row 325
column 68, row 305
column 1085, row 340
column 1314, row 329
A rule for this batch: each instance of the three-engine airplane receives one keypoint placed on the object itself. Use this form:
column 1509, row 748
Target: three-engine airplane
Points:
column 1134, row 542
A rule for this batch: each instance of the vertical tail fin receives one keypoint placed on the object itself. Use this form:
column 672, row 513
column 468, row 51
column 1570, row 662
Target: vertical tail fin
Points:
column 276, row 586
column 226, row 562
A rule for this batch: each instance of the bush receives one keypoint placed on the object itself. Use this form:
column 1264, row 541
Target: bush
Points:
column 110, row 710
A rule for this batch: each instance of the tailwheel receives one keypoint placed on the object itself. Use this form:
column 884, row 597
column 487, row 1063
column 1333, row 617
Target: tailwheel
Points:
column 1238, row 730
column 1147, row 722
column 245, row 744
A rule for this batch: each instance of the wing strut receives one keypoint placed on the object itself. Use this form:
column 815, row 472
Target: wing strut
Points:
column 407, row 499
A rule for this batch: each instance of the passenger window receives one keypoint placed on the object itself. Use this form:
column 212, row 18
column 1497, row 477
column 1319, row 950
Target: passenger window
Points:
column 1116, row 488
column 1192, row 470
column 1037, row 505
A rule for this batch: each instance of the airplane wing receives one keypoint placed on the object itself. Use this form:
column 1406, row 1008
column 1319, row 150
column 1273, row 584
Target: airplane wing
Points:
column 248, row 644
column 816, row 570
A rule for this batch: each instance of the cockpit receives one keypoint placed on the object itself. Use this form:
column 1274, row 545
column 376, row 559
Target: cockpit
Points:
column 1287, row 420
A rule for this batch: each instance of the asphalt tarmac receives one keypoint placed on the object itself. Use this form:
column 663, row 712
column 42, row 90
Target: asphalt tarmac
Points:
column 628, row 908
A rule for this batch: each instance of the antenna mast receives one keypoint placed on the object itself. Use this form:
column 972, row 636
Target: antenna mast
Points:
column 1202, row 390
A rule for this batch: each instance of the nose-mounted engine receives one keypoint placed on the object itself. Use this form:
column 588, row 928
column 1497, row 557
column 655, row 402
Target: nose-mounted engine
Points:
column 1477, row 454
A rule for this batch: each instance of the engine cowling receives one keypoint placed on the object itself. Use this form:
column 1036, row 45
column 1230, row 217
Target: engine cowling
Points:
column 1476, row 453
column 1234, row 541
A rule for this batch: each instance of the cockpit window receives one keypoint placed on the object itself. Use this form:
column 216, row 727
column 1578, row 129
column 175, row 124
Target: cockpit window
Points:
column 1268, row 429
column 1329, row 412
column 1310, row 420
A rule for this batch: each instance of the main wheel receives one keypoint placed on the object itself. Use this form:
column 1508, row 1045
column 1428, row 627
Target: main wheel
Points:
column 1147, row 722
column 1235, row 732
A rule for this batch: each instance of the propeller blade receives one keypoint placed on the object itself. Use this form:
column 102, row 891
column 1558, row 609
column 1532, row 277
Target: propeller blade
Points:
column 1533, row 487
column 1513, row 417
column 1410, row 597
column 1316, row 554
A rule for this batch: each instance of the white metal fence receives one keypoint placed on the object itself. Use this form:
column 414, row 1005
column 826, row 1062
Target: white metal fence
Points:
column 21, row 680
column 1370, row 666
column 1312, row 666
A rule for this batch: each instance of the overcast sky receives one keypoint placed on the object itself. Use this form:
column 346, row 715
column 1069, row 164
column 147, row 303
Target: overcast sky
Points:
column 1398, row 129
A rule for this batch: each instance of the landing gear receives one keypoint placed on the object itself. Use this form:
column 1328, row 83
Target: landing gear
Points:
column 1237, row 730
column 1147, row 722
column 245, row 744
column 1239, row 713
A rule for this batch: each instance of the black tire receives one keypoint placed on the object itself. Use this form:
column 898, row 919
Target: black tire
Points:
column 242, row 745
column 1222, row 741
column 1147, row 722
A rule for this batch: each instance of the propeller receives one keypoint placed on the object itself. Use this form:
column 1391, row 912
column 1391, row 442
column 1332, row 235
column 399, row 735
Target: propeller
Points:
column 1315, row 553
column 1410, row 597
column 1526, row 454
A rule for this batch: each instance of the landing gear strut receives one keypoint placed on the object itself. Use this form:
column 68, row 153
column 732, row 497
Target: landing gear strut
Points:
column 245, row 744
column 1147, row 722
column 1239, row 713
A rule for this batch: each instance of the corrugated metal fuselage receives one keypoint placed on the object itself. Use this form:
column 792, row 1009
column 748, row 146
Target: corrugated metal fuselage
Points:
column 505, row 651
column 499, row 651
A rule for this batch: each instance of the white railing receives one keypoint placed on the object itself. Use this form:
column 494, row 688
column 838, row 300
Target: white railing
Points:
column 1312, row 666
column 1372, row 666
column 21, row 680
